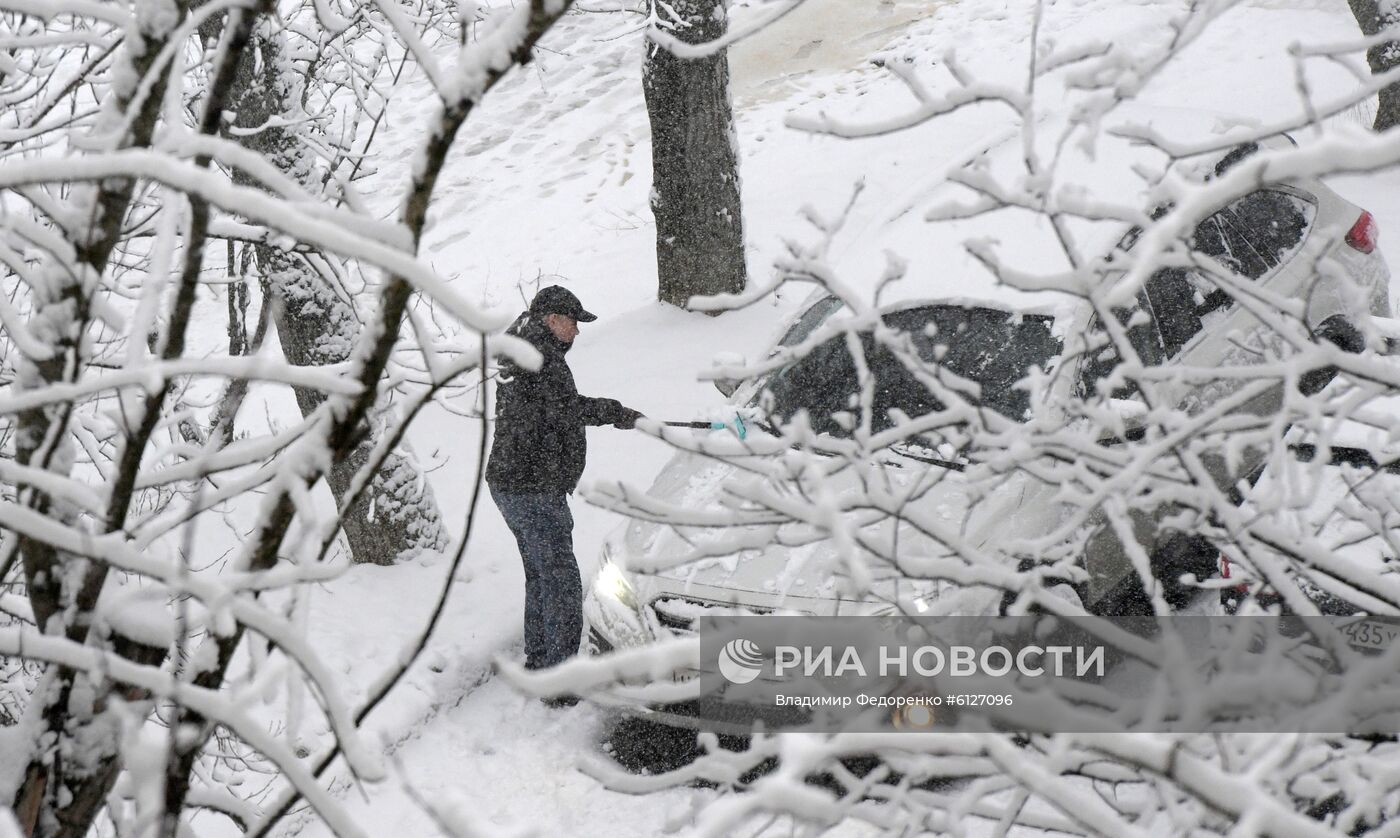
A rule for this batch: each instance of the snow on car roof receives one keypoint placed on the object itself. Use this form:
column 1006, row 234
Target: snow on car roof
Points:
column 1115, row 180
column 1062, row 308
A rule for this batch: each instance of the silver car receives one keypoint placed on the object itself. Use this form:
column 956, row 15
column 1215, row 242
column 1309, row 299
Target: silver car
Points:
column 1298, row 241
column 774, row 568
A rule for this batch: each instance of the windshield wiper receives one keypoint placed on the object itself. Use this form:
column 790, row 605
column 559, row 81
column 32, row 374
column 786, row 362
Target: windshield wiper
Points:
column 764, row 423
column 936, row 461
column 906, row 448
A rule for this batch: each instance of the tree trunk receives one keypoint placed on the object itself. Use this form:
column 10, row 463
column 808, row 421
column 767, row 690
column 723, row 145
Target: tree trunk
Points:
column 55, row 580
column 397, row 517
column 695, row 167
column 1383, row 56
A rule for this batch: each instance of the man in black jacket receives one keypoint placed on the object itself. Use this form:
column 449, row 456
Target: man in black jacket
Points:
column 536, row 460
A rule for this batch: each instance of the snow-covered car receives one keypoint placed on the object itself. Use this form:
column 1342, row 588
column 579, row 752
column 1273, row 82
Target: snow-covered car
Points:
column 1298, row 241
column 988, row 346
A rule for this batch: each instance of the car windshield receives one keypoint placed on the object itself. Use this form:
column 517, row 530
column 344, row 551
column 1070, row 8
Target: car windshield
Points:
column 991, row 348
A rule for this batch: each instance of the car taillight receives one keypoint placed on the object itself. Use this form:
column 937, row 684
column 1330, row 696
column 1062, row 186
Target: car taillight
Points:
column 1243, row 587
column 1363, row 234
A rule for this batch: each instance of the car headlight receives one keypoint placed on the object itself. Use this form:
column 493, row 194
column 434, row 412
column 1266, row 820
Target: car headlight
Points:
column 613, row 610
column 611, row 583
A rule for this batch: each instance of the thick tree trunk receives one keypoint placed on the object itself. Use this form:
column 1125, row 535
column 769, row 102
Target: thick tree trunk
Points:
column 695, row 167
column 1383, row 56
column 397, row 517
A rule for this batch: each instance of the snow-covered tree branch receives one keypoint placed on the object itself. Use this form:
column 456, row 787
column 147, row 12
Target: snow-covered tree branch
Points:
column 128, row 428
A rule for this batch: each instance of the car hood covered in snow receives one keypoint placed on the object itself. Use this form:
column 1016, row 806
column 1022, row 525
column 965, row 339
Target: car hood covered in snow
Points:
column 776, row 563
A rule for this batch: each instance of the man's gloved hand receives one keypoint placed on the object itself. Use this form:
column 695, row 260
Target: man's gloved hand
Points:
column 628, row 419
column 613, row 413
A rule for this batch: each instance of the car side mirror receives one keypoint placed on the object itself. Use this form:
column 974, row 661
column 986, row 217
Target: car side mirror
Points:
column 1133, row 414
column 727, row 386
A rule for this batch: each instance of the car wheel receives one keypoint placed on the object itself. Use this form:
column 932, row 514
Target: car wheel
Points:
column 1178, row 555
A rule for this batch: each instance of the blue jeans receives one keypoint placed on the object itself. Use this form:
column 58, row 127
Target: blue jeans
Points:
column 544, row 532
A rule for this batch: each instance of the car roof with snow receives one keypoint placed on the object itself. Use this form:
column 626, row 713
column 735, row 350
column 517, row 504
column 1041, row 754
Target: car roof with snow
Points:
column 1059, row 306
column 1118, row 175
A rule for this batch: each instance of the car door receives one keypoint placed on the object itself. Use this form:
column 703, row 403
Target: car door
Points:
column 1185, row 316
column 1182, row 317
column 1253, row 238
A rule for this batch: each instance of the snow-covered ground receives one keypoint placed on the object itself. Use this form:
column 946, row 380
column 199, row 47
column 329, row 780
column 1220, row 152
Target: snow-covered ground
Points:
column 549, row 183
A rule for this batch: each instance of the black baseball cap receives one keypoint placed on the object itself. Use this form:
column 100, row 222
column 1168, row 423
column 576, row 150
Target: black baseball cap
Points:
column 556, row 299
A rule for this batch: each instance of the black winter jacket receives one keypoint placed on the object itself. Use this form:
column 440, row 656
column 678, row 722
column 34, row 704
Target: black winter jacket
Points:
column 540, row 444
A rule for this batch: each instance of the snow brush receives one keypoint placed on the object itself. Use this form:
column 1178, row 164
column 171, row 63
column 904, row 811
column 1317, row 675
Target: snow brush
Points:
column 737, row 426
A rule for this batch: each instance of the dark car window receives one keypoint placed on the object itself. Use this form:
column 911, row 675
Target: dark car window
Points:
column 1252, row 236
column 1167, row 316
column 992, row 348
column 1256, row 233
